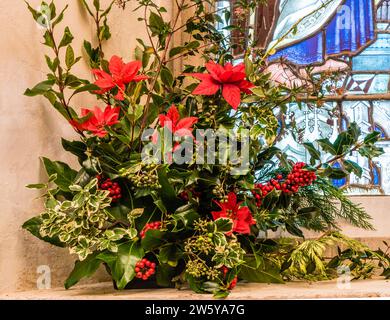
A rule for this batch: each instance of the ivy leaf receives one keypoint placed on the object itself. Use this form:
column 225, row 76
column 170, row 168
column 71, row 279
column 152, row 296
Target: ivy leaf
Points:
column 123, row 262
column 83, row 269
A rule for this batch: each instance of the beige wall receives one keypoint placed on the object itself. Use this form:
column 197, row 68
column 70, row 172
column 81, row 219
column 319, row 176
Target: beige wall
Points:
column 29, row 128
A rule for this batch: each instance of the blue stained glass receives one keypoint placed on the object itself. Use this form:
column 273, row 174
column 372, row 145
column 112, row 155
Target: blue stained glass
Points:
column 351, row 28
column 379, row 129
column 375, row 173
column 338, row 182
column 307, row 52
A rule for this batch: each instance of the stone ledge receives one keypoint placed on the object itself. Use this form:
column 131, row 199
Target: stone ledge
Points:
column 293, row 290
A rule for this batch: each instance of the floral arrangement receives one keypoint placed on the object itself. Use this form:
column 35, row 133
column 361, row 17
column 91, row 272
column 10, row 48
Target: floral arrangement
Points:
column 147, row 206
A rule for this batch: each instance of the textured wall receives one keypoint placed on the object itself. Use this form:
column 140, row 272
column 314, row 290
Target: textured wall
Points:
column 30, row 128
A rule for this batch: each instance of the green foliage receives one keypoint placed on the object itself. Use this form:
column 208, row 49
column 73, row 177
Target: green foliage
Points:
column 188, row 246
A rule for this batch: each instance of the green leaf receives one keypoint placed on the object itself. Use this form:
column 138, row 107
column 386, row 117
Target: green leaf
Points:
column 170, row 254
column 77, row 148
column 352, row 166
column 314, row 153
column 48, row 40
column 36, row 186
column 123, row 262
column 167, row 77
column 327, row 146
column 372, row 137
column 266, row 273
column 40, row 88
column 67, row 38
column 65, row 175
column 184, row 217
column 33, row 225
column 87, row 87
column 69, row 57
column 153, row 239
column 156, row 23
column 164, row 275
column 83, row 269
column 224, row 224
column 96, row 4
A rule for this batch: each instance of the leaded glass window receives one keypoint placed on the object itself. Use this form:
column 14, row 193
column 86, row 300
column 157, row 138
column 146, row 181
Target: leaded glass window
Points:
column 352, row 35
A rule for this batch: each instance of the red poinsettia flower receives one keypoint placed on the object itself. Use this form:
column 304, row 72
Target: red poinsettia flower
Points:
column 241, row 216
column 121, row 74
column 230, row 78
column 96, row 120
column 179, row 127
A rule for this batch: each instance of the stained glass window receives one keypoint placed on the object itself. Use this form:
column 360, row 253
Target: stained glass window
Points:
column 350, row 34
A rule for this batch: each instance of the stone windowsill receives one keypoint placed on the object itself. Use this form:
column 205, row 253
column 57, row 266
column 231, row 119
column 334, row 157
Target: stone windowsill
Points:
column 292, row 290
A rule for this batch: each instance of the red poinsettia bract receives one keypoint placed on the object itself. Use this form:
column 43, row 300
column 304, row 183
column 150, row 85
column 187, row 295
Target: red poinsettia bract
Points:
column 121, row 74
column 241, row 216
column 96, row 120
column 179, row 127
column 228, row 77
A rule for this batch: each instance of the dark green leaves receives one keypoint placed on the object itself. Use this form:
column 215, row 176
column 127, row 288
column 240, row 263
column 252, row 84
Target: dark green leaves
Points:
column 352, row 166
column 314, row 153
column 65, row 175
column 267, row 272
column 327, row 146
column 40, row 88
column 33, row 225
column 83, row 269
column 156, row 23
column 123, row 262
column 224, row 224
column 67, row 38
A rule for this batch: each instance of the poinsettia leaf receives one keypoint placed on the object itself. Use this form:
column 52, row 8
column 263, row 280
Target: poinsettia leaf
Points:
column 83, row 269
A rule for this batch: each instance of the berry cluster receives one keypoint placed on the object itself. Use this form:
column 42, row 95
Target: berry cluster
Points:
column 144, row 269
column 112, row 187
column 232, row 284
column 298, row 177
column 185, row 194
column 150, row 226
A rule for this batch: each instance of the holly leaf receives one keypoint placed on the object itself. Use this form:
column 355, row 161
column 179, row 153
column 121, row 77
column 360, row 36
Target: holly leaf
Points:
column 65, row 175
column 123, row 262
column 83, row 269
